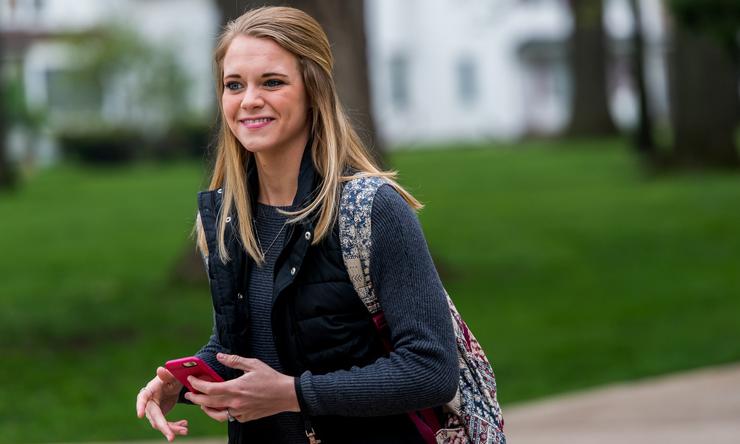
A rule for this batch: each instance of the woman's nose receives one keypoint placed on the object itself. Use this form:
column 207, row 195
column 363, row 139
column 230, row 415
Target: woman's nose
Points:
column 252, row 98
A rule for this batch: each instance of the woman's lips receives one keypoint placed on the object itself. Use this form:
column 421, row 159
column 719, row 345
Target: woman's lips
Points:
column 256, row 123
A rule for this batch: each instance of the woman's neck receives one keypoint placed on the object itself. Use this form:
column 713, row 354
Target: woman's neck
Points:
column 278, row 175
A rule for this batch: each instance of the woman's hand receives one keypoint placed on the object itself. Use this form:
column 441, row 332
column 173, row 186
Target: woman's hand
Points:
column 156, row 399
column 259, row 392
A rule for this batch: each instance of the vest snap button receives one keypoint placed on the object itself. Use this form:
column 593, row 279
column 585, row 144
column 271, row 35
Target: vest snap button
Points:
column 228, row 219
column 239, row 296
column 292, row 271
column 220, row 191
column 308, row 235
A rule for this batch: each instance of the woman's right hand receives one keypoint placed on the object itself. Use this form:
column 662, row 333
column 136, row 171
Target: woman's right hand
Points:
column 156, row 399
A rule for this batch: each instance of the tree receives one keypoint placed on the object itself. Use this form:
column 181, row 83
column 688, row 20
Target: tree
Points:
column 588, row 56
column 343, row 21
column 704, row 91
column 7, row 173
column 643, row 137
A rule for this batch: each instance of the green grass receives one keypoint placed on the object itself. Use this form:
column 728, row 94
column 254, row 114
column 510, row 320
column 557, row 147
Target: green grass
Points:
column 575, row 269
column 572, row 268
column 88, row 310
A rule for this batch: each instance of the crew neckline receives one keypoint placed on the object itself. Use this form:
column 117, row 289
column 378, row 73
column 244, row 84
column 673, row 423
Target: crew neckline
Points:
column 271, row 212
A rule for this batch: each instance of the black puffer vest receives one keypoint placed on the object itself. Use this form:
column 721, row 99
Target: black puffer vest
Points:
column 318, row 321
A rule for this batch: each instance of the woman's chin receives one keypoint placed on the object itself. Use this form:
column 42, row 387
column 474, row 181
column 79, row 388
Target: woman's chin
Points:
column 255, row 146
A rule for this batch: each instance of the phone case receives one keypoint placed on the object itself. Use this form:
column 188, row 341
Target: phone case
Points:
column 184, row 367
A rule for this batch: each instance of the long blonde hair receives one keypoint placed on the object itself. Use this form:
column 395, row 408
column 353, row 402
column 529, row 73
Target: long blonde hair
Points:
column 334, row 143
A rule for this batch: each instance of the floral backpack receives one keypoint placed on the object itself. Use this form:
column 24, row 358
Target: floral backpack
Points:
column 474, row 415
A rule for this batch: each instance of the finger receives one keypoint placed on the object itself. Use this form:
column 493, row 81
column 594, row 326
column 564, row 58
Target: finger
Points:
column 141, row 399
column 214, row 402
column 207, row 387
column 165, row 375
column 219, row 415
column 238, row 362
column 182, row 432
column 179, row 427
column 168, row 379
column 151, row 422
column 156, row 418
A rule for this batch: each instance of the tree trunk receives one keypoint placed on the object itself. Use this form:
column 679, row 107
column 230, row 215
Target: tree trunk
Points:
column 230, row 9
column 590, row 107
column 704, row 105
column 344, row 23
column 7, row 174
column 644, row 141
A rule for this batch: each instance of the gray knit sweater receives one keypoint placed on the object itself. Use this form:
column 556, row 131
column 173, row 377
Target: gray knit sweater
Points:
column 422, row 370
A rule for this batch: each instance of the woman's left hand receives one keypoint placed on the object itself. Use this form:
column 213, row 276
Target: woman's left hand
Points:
column 259, row 392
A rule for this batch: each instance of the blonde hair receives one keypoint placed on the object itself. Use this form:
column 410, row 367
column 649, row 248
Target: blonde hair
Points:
column 334, row 143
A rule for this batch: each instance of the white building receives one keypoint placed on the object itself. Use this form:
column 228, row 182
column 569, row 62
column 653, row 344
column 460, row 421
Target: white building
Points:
column 452, row 70
column 186, row 26
column 440, row 70
column 37, row 32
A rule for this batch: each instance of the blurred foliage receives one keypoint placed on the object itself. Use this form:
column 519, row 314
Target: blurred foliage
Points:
column 115, row 58
column 571, row 268
column 719, row 18
column 15, row 108
column 154, row 121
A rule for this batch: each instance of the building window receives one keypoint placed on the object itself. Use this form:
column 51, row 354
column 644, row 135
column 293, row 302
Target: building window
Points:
column 399, row 71
column 467, row 81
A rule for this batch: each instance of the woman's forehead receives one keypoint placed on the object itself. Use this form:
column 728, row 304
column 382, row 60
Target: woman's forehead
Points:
column 247, row 54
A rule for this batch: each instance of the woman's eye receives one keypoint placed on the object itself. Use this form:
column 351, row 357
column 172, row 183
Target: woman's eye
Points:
column 273, row 83
column 232, row 86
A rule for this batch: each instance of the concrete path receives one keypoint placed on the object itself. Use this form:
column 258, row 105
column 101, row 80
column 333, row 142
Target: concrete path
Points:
column 701, row 406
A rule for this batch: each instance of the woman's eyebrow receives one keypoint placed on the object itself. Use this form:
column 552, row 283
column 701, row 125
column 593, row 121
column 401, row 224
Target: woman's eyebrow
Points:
column 267, row 74
column 273, row 74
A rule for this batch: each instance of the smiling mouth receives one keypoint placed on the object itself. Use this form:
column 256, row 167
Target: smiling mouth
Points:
column 256, row 123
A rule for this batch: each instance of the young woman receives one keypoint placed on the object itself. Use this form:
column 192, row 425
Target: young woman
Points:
column 298, row 349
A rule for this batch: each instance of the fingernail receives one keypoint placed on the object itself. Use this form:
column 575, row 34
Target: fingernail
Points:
column 220, row 355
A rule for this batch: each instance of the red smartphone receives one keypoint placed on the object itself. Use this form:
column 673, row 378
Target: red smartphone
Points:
column 192, row 365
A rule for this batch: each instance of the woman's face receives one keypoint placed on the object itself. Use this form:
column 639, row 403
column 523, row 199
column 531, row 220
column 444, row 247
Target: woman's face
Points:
column 264, row 99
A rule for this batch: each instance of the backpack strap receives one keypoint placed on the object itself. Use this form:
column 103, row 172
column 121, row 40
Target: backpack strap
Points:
column 474, row 415
column 355, row 209
column 355, row 235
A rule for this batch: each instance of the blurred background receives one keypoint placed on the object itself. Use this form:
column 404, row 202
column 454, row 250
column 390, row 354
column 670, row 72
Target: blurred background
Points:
column 578, row 160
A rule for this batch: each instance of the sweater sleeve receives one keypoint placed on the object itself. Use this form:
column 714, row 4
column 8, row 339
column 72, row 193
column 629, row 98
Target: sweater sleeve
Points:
column 208, row 354
column 422, row 370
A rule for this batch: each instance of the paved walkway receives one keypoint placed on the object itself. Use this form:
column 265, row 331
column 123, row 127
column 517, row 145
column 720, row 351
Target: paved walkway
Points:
column 701, row 406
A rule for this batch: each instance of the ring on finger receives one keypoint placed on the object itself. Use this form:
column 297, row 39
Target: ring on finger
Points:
column 228, row 415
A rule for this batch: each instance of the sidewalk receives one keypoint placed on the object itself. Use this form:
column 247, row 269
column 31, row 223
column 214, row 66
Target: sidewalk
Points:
column 701, row 406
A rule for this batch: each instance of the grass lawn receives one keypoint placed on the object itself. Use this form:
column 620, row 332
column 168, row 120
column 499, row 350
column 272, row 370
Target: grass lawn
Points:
column 572, row 268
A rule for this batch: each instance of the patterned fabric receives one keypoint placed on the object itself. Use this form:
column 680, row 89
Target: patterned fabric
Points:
column 474, row 415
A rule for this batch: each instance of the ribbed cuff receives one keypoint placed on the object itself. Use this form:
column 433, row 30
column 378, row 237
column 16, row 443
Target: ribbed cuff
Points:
column 304, row 393
column 299, row 394
column 181, row 397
